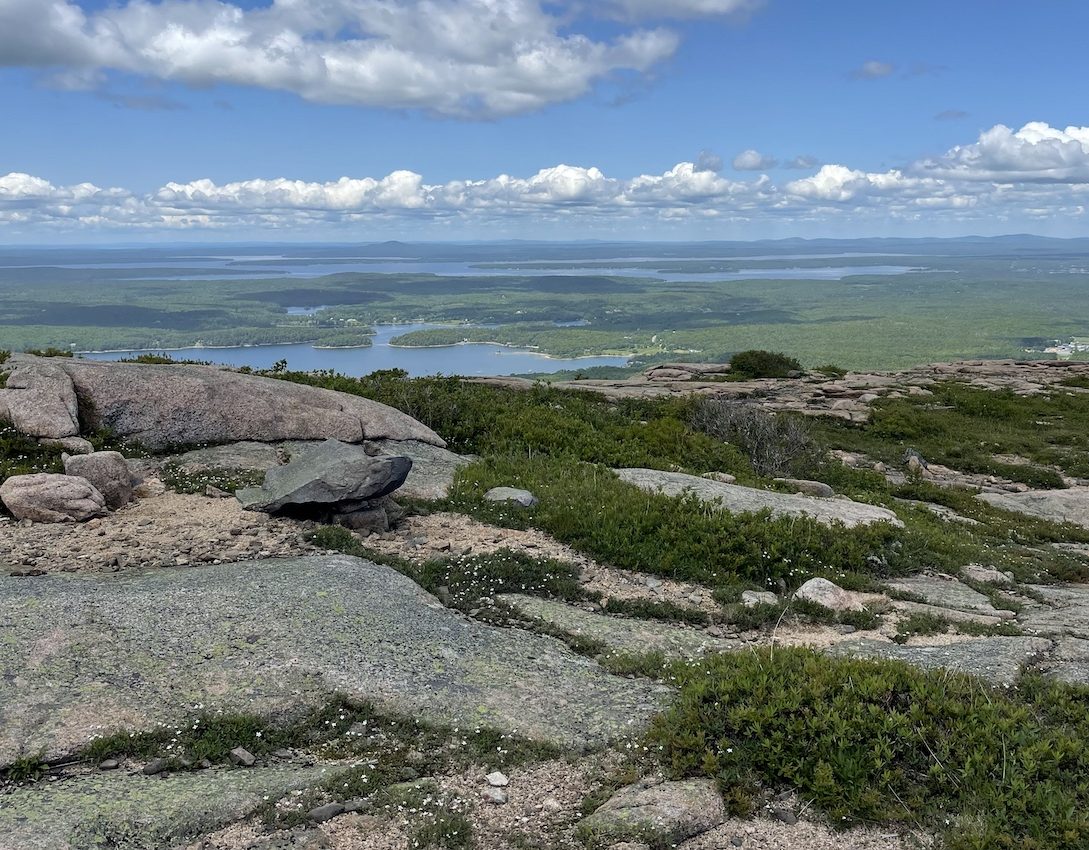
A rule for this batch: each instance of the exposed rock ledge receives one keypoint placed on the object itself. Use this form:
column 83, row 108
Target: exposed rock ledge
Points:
column 90, row 655
column 738, row 499
column 160, row 406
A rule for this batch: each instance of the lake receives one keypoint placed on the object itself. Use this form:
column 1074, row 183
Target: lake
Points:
column 271, row 267
column 474, row 359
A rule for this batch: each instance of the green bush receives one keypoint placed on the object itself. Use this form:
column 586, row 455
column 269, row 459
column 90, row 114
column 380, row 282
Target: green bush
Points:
column 756, row 363
column 776, row 445
column 590, row 509
column 883, row 742
column 493, row 420
column 51, row 351
column 966, row 428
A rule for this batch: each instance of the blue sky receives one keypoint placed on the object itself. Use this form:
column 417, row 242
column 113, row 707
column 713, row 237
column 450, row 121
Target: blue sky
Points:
column 108, row 94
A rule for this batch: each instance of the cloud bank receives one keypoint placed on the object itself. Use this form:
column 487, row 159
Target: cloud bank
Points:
column 1038, row 172
column 463, row 58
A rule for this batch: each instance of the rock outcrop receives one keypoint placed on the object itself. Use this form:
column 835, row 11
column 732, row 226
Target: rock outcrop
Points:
column 996, row 659
column 1070, row 505
column 89, row 655
column 738, row 499
column 46, row 497
column 160, row 406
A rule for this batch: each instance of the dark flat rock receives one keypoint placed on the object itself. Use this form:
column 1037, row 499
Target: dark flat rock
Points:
column 330, row 473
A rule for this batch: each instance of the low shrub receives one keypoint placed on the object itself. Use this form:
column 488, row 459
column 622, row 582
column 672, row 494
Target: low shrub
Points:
column 775, row 445
column 50, row 352
column 882, row 742
column 756, row 363
column 590, row 509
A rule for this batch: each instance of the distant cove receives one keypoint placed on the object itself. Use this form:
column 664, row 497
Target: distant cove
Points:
column 465, row 359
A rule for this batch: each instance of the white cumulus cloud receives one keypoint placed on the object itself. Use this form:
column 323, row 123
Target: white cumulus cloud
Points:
column 752, row 160
column 1037, row 152
column 1038, row 173
column 466, row 58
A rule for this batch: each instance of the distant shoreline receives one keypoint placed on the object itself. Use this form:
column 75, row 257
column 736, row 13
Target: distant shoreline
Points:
column 515, row 348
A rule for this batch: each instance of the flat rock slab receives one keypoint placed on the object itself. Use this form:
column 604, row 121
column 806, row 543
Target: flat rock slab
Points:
column 247, row 456
column 433, row 468
column 998, row 660
column 738, row 499
column 1071, row 505
column 621, row 634
column 92, row 654
column 160, row 406
column 136, row 812
column 1065, row 610
column 949, row 593
column 1069, row 662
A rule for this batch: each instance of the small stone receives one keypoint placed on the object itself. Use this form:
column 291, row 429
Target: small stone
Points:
column 498, row 779
column 652, row 583
column 752, row 598
column 109, row 764
column 551, row 804
column 327, row 812
column 512, row 495
column 156, row 766
column 243, row 757
column 786, row 816
column 282, row 754
column 737, row 841
column 498, row 796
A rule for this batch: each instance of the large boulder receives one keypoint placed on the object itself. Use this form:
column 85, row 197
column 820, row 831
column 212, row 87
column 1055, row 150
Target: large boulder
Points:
column 40, row 400
column 330, row 476
column 109, row 472
column 738, row 499
column 160, row 406
column 46, row 497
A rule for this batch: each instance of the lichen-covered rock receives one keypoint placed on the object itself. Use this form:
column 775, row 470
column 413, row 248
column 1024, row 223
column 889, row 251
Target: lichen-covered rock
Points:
column 330, row 475
column 89, row 655
column 738, row 499
column 108, row 472
column 626, row 635
column 135, row 812
column 45, row 497
column 661, row 814
column 996, row 659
